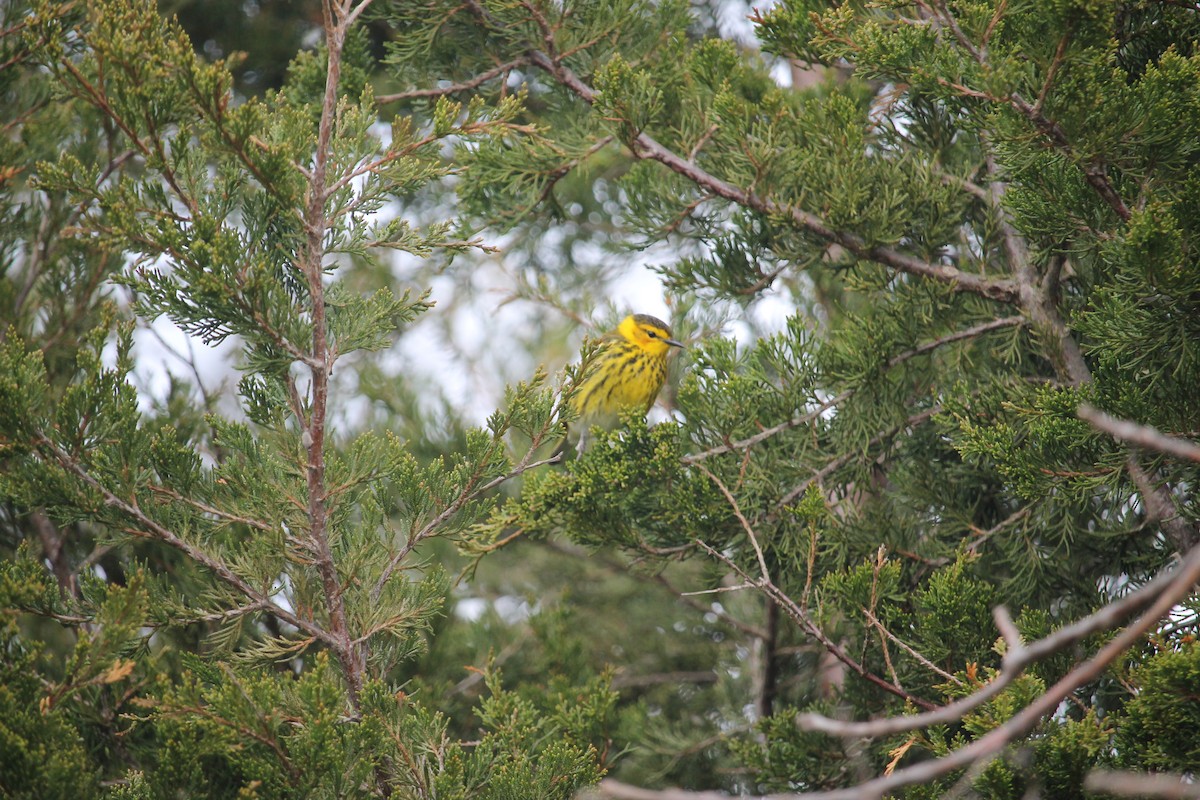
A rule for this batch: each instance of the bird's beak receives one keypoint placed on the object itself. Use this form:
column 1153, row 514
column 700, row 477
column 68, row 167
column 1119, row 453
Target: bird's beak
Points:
column 674, row 343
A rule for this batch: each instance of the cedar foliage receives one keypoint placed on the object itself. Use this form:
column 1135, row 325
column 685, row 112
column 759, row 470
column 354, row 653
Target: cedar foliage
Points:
column 983, row 218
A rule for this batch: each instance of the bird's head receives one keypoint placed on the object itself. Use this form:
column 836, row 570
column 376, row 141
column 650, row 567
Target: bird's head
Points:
column 647, row 332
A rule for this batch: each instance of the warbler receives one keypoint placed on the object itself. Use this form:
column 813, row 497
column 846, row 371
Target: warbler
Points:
column 626, row 374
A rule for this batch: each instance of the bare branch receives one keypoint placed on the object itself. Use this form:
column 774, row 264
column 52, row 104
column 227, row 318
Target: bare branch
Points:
column 213, row 511
column 1055, row 64
column 464, row 86
column 644, row 146
column 741, row 587
column 1140, row 435
column 1094, row 172
column 610, row 789
column 708, row 608
column 1016, row 660
column 1170, row 589
column 1008, row 629
column 355, row 10
column 983, row 536
column 1135, row 784
column 971, row 188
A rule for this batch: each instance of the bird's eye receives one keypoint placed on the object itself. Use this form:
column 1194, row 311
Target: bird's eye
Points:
column 652, row 334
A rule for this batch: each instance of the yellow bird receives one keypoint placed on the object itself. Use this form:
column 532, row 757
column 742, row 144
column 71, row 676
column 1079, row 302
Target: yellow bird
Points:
column 626, row 374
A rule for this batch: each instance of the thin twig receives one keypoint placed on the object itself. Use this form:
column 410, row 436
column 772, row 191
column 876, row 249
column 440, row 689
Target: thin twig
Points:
column 767, row 433
column 218, row 513
column 1052, row 71
column 983, row 536
column 966, row 333
column 737, row 512
column 741, row 587
column 752, row 631
column 922, row 660
column 456, row 88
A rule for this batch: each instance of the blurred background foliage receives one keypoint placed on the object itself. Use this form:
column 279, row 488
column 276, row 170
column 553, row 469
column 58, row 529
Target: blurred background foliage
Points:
column 947, row 482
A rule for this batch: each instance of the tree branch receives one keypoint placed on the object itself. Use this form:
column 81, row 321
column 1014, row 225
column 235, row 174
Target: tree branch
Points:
column 464, row 86
column 610, row 789
column 1016, row 659
column 1134, row 784
column 351, row 658
column 644, row 146
column 154, row 530
column 1139, row 435
column 1157, row 500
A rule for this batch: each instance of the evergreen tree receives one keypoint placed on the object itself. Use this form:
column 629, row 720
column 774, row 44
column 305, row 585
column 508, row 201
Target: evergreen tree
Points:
column 992, row 215
column 273, row 577
column 946, row 514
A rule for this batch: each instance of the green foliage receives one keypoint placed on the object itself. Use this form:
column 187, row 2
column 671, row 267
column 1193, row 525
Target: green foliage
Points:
column 1153, row 734
column 954, row 609
column 40, row 744
column 288, row 579
column 278, row 735
column 1063, row 758
column 788, row 759
column 613, row 493
column 977, row 217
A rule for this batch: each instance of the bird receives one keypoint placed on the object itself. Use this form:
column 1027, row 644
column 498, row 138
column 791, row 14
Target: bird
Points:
column 626, row 374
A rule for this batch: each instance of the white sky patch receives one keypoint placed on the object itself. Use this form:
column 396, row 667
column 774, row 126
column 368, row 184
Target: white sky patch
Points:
column 511, row 609
column 282, row 591
column 162, row 351
column 733, row 20
column 781, row 73
column 470, row 609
